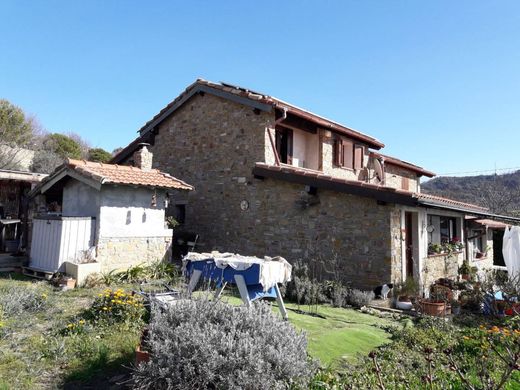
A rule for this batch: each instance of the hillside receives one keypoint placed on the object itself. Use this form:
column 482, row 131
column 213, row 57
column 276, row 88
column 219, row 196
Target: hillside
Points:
column 500, row 193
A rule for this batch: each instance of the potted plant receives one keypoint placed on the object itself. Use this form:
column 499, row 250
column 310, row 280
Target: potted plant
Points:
column 436, row 305
column 405, row 294
column 465, row 270
column 434, row 249
column 141, row 352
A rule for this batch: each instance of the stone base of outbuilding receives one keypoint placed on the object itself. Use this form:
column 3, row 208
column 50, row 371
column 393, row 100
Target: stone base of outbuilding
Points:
column 125, row 252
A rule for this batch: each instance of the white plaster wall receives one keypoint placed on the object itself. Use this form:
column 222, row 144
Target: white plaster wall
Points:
column 127, row 212
column 80, row 200
column 312, row 150
column 305, row 149
column 299, row 147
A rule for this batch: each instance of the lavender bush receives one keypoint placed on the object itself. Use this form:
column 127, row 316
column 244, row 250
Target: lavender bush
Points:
column 199, row 344
column 358, row 298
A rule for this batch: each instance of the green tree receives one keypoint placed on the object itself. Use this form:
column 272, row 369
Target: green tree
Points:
column 63, row 146
column 16, row 133
column 99, row 155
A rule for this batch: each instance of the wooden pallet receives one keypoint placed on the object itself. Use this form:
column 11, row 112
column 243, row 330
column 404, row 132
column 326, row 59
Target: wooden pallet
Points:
column 36, row 273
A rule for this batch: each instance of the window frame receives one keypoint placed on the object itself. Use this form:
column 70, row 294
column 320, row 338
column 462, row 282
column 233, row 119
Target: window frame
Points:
column 357, row 153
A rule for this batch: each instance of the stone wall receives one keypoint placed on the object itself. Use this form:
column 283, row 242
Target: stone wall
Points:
column 213, row 144
column 397, row 240
column 441, row 266
column 394, row 178
column 327, row 153
column 124, row 252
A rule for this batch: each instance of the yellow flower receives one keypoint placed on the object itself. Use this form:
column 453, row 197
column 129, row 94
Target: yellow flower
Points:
column 44, row 296
column 105, row 308
column 70, row 325
column 81, row 322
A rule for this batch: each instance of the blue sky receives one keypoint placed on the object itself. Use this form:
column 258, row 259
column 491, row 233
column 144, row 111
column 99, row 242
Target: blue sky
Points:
column 438, row 82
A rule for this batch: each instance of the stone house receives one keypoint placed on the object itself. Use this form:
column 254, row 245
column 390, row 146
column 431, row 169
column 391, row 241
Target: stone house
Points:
column 113, row 214
column 273, row 179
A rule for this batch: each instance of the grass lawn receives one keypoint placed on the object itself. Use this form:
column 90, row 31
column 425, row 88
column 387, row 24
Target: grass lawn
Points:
column 35, row 353
column 341, row 335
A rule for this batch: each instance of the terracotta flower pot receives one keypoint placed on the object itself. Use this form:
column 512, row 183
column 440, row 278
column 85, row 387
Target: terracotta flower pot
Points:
column 436, row 309
column 141, row 356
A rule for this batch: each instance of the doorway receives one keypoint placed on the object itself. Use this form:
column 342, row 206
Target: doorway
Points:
column 284, row 145
column 409, row 239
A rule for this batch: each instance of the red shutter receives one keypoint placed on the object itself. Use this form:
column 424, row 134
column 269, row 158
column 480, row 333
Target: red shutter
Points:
column 358, row 157
column 348, row 154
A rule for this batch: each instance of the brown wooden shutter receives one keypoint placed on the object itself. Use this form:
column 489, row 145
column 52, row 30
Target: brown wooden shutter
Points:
column 348, row 154
column 358, row 157
column 405, row 183
column 336, row 152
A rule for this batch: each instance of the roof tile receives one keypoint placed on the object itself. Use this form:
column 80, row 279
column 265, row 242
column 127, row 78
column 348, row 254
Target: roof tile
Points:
column 122, row 174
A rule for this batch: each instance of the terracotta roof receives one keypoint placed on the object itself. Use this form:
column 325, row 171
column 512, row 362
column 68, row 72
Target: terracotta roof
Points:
column 359, row 187
column 437, row 200
column 122, row 174
column 404, row 164
column 257, row 99
column 97, row 174
column 490, row 223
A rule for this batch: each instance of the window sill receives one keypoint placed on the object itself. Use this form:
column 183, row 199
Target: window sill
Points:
column 444, row 254
column 347, row 169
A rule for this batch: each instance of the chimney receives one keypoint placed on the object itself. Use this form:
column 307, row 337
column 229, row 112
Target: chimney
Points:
column 143, row 157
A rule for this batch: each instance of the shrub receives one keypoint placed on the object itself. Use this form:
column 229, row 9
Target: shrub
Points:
column 302, row 289
column 19, row 299
column 358, row 298
column 116, row 306
column 198, row 344
column 336, row 292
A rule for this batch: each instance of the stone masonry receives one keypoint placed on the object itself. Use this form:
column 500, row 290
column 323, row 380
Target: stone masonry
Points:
column 124, row 252
column 213, row 144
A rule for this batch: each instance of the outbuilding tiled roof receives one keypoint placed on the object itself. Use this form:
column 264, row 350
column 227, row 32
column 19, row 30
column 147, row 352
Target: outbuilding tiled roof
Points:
column 440, row 201
column 122, row 174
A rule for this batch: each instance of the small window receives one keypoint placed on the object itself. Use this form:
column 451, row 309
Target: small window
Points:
column 177, row 211
column 347, row 154
column 447, row 229
column 180, row 213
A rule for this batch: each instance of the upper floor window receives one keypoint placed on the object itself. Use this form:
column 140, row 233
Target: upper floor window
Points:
column 347, row 154
column 284, row 145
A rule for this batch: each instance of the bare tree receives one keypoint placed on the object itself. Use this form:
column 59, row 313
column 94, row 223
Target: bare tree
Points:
column 500, row 196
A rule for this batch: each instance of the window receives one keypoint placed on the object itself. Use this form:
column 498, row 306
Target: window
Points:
column 284, row 145
column 346, row 154
column 477, row 241
column 447, row 229
column 177, row 211
column 442, row 229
